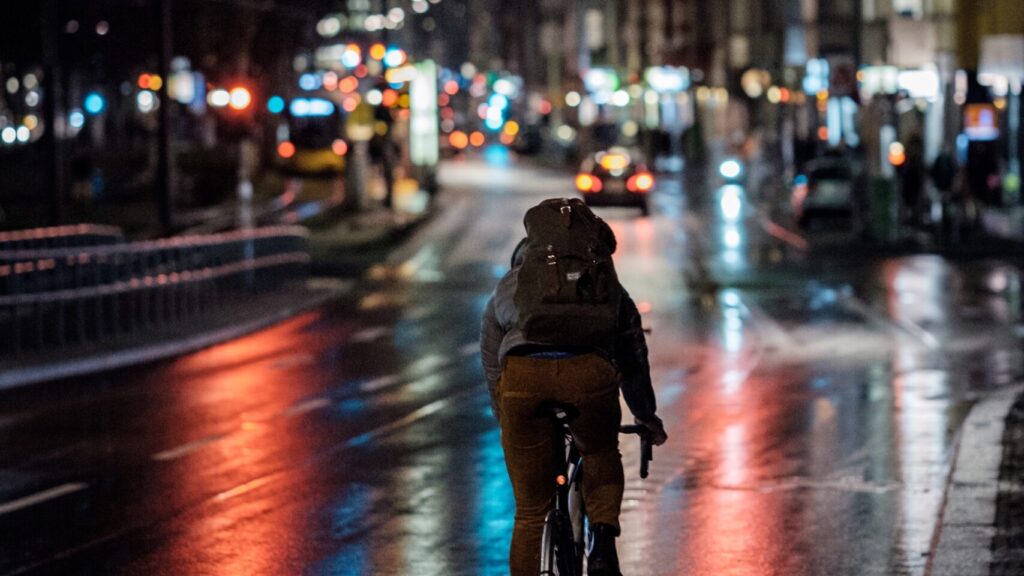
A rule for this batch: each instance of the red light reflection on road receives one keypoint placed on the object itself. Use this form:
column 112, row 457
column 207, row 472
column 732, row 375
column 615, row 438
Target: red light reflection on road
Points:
column 242, row 519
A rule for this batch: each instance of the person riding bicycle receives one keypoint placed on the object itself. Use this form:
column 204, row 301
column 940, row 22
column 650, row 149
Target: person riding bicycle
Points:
column 526, row 378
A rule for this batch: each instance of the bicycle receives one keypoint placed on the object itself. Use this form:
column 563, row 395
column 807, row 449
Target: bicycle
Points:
column 562, row 542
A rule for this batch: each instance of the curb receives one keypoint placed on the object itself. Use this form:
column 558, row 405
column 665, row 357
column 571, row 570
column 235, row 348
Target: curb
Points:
column 962, row 545
column 351, row 257
column 157, row 351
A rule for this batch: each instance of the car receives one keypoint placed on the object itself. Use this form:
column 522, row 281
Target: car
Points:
column 615, row 177
column 826, row 189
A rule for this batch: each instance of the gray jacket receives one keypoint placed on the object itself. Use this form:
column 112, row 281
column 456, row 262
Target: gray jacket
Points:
column 499, row 335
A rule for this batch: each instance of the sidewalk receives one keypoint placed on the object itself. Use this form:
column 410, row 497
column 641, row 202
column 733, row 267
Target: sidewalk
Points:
column 981, row 528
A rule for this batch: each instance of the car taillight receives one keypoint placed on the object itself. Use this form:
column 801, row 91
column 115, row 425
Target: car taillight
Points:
column 642, row 182
column 588, row 183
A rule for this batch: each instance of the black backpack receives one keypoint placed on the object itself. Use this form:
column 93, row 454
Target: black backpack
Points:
column 567, row 292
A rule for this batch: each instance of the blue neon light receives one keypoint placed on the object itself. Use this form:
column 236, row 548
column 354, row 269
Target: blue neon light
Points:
column 94, row 103
column 275, row 105
column 304, row 107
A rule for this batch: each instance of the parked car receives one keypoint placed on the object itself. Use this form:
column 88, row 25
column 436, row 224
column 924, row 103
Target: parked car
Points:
column 827, row 188
column 615, row 177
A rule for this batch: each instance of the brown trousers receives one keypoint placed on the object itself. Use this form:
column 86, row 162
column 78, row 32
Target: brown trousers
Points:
column 535, row 450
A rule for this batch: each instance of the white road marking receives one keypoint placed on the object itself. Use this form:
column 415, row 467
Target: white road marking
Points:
column 183, row 450
column 307, row 406
column 854, row 304
column 768, row 326
column 846, row 484
column 293, row 360
column 418, row 414
column 788, row 236
column 417, row 313
column 450, row 218
column 332, row 284
column 247, row 487
column 370, row 334
column 39, row 498
column 379, row 383
column 428, row 364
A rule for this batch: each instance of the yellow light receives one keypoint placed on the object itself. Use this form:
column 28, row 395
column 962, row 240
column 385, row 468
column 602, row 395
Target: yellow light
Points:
column 822, row 95
column 458, row 140
column 30, row 121
column 155, row 82
column 512, row 128
column 612, row 162
column 403, row 101
column 897, row 154
column 774, row 95
column 999, row 103
column 377, row 51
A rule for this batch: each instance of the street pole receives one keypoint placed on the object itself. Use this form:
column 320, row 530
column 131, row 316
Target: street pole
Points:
column 1014, row 143
column 51, row 140
column 165, row 163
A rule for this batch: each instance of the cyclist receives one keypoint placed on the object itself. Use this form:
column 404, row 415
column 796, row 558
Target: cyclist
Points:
column 526, row 378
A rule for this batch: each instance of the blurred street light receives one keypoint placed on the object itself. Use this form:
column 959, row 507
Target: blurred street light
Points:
column 239, row 98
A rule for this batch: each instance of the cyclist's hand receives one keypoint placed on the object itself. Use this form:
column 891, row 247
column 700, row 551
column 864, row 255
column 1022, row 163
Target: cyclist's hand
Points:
column 658, row 435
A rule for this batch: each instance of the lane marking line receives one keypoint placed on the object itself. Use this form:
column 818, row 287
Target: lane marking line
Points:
column 380, row 383
column 411, row 418
column 854, row 304
column 307, row 406
column 40, row 497
column 175, row 453
column 370, row 334
column 788, row 236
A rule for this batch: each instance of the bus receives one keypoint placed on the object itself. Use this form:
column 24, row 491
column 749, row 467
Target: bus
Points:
column 315, row 143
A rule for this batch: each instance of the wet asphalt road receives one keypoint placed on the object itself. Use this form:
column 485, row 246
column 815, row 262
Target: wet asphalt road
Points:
column 811, row 392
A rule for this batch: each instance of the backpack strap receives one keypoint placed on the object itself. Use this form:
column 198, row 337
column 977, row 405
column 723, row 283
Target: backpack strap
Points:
column 566, row 210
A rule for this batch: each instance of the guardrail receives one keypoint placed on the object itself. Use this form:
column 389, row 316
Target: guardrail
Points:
column 76, row 235
column 63, row 297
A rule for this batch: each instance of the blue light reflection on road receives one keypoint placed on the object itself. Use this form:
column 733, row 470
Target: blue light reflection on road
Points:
column 494, row 506
column 345, row 524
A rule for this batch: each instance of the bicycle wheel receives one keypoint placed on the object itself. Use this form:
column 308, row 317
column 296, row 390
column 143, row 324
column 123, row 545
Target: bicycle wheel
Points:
column 559, row 555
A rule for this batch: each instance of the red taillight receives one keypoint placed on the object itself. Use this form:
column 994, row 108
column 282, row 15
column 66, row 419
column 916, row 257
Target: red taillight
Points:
column 642, row 182
column 588, row 183
column 286, row 149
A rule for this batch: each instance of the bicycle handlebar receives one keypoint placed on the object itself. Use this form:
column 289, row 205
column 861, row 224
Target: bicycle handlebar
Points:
column 646, row 448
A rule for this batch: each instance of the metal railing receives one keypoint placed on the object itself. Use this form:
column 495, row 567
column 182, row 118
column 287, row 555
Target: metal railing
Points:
column 56, row 298
column 77, row 235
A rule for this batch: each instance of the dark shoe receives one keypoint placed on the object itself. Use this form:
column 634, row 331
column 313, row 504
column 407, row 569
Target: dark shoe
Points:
column 603, row 560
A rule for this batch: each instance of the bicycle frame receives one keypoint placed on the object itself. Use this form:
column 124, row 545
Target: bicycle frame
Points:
column 569, row 509
column 564, row 526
